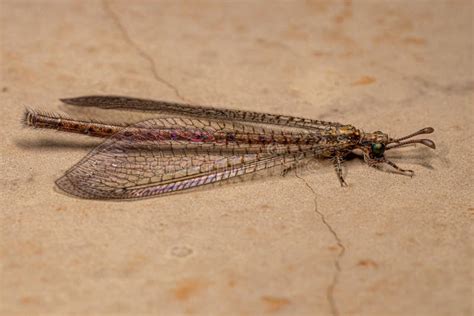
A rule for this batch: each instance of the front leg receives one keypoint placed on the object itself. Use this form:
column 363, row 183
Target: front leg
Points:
column 375, row 163
column 405, row 172
column 338, row 168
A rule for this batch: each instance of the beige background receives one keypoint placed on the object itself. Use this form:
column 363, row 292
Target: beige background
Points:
column 386, row 245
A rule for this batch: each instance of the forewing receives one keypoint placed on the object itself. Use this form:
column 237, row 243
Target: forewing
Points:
column 128, row 103
column 127, row 167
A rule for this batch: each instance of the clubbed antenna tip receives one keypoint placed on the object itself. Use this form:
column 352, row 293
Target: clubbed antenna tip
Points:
column 428, row 142
column 399, row 142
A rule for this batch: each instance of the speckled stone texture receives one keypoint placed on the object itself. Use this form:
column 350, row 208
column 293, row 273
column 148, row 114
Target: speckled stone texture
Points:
column 294, row 245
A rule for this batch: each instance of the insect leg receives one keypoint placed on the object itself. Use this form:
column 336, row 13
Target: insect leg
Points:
column 406, row 172
column 300, row 159
column 338, row 168
column 375, row 163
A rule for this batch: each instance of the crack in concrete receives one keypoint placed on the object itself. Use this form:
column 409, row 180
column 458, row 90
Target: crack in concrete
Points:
column 140, row 51
column 337, row 260
column 144, row 55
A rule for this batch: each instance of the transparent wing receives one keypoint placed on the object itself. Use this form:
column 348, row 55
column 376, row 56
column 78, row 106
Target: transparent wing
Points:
column 128, row 103
column 131, row 165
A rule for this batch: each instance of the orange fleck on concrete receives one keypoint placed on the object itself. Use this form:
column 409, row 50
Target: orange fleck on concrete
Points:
column 296, row 32
column 188, row 288
column 31, row 248
column 345, row 14
column 134, row 264
column 414, row 40
column 368, row 263
column 318, row 53
column 28, row 300
column 231, row 283
column 251, row 231
column 364, row 80
column 334, row 248
column 275, row 303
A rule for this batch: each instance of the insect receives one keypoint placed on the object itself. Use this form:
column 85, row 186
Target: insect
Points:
column 200, row 145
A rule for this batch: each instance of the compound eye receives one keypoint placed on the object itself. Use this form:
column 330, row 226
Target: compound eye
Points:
column 378, row 149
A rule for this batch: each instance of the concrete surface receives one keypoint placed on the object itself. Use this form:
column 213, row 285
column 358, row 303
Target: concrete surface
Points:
column 386, row 245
